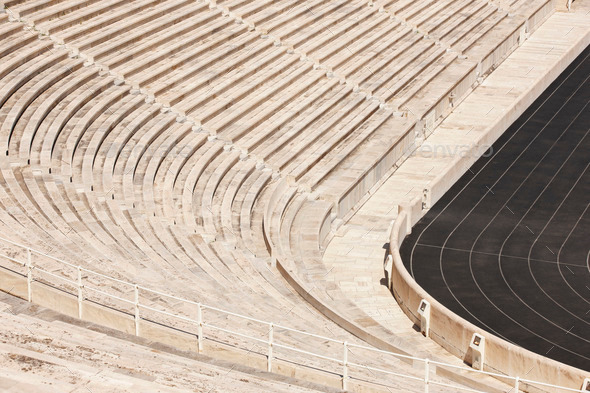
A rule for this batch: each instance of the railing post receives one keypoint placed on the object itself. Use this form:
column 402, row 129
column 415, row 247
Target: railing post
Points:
column 345, row 366
column 136, row 290
column 270, row 341
column 80, row 294
column 516, row 385
column 426, row 375
column 200, row 327
column 29, row 276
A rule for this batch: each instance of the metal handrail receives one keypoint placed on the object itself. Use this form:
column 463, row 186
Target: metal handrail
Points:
column 380, row 370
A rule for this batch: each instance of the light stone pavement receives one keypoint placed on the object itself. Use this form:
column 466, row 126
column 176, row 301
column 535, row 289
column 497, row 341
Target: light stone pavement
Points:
column 355, row 255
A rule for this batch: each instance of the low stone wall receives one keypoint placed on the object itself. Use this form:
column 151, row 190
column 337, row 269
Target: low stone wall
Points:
column 371, row 177
column 15, row 284
column 454, row 333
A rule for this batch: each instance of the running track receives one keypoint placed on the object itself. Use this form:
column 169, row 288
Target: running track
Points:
column 508, row 247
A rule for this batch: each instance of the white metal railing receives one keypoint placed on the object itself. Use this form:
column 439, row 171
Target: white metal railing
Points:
column 82, row 289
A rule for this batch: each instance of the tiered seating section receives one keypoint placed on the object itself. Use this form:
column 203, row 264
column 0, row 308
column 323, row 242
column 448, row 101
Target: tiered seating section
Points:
column 94, row 174
column 187, row 145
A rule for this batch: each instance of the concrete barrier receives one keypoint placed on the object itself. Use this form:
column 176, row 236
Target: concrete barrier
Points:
column 454, row 333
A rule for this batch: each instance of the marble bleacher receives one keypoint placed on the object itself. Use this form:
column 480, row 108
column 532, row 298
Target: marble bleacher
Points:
column 83, row 179
column 188, row 145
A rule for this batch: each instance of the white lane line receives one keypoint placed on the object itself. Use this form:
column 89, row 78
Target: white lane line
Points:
column 531, row 172
column 561, row 249
column 532, row 205
column 495, row 254
column 499, row 150
column 545, row 227
column 545, row 188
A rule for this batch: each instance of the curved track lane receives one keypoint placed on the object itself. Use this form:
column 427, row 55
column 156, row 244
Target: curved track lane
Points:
column 508, row 247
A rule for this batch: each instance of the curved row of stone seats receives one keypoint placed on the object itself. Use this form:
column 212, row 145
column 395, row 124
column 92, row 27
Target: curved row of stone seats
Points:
column 61, row 15
column 69, row 187
column 470, row 23
column 241, row 289
column 78, row 162
column 422, row 95
column 433, row 16
column 130, row 173
column 332, row 40
column 442, row 90
column 173, row 42
column 203, row 176
column 404, row 87
column 103, row 20
column 93, row 189
column 234, row 284
column 304, row 164
column 30, row 7
column 428, row 67
column 228, row 124
column 303, row 148
column 210, row 113
column 344, row 38
column 509, row 5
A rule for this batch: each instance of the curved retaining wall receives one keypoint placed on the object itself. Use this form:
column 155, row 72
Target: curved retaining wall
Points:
column 454, row 333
